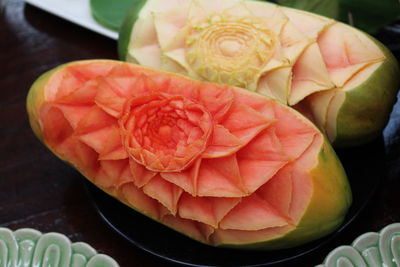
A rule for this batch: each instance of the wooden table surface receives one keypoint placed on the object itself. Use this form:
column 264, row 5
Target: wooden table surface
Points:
column 40, row 191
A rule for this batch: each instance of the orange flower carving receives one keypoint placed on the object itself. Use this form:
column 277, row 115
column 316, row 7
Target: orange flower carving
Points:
column 165, row 132
column 210, row 160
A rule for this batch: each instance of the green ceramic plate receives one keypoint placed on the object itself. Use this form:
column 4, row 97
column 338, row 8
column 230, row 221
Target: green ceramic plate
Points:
column 369, row 250
column 30, row 248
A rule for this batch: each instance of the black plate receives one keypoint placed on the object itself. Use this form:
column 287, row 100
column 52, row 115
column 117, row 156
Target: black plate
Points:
column 364, row 165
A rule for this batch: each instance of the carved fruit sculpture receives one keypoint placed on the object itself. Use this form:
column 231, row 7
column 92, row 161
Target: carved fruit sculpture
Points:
column 220, row 164
column 341, row 78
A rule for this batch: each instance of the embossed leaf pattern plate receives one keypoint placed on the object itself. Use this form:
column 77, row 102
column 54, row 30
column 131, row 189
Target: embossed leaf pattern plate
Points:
column 30, row 248
column 369, row 250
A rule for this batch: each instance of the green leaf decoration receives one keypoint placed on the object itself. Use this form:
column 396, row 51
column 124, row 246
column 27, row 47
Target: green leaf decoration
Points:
column 328, row 8
column 369, row 15
column 109, row 13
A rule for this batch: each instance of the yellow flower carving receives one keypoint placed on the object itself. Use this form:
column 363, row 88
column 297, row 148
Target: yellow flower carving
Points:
column 301, row 59
column 229, row 50
column 242, row 43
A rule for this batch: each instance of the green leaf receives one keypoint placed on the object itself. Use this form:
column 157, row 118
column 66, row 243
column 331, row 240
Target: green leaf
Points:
column 328, row 8
column 110, row 13
column 369, row 15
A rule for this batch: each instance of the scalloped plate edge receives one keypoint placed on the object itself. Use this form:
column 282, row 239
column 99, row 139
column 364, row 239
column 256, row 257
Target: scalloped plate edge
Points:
column 29, row 247
column 369, row 249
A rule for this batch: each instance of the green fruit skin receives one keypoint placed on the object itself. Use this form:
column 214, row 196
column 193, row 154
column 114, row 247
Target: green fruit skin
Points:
column 36, row 98
column 126, row 28
column 326, row 210
column 366, row 109
column 331, row 197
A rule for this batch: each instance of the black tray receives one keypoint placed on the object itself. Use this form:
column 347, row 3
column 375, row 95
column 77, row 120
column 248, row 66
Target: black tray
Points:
column 364, row 166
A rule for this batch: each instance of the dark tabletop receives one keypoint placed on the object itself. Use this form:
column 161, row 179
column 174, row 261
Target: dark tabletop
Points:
column 37, row 190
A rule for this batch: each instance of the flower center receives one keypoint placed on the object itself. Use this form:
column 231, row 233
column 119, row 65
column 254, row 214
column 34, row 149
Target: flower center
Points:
column 229, row 50
column 165, row 132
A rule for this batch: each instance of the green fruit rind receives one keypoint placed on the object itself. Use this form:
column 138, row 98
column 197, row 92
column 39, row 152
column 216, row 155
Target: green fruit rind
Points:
column 326, row 210
column 36, row 98
column 126, row 28
column 367, row 107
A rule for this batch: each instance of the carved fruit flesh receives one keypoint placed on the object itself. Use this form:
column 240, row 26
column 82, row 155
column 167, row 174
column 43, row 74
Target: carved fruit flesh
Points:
column 219, row 164
column 342, row 79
